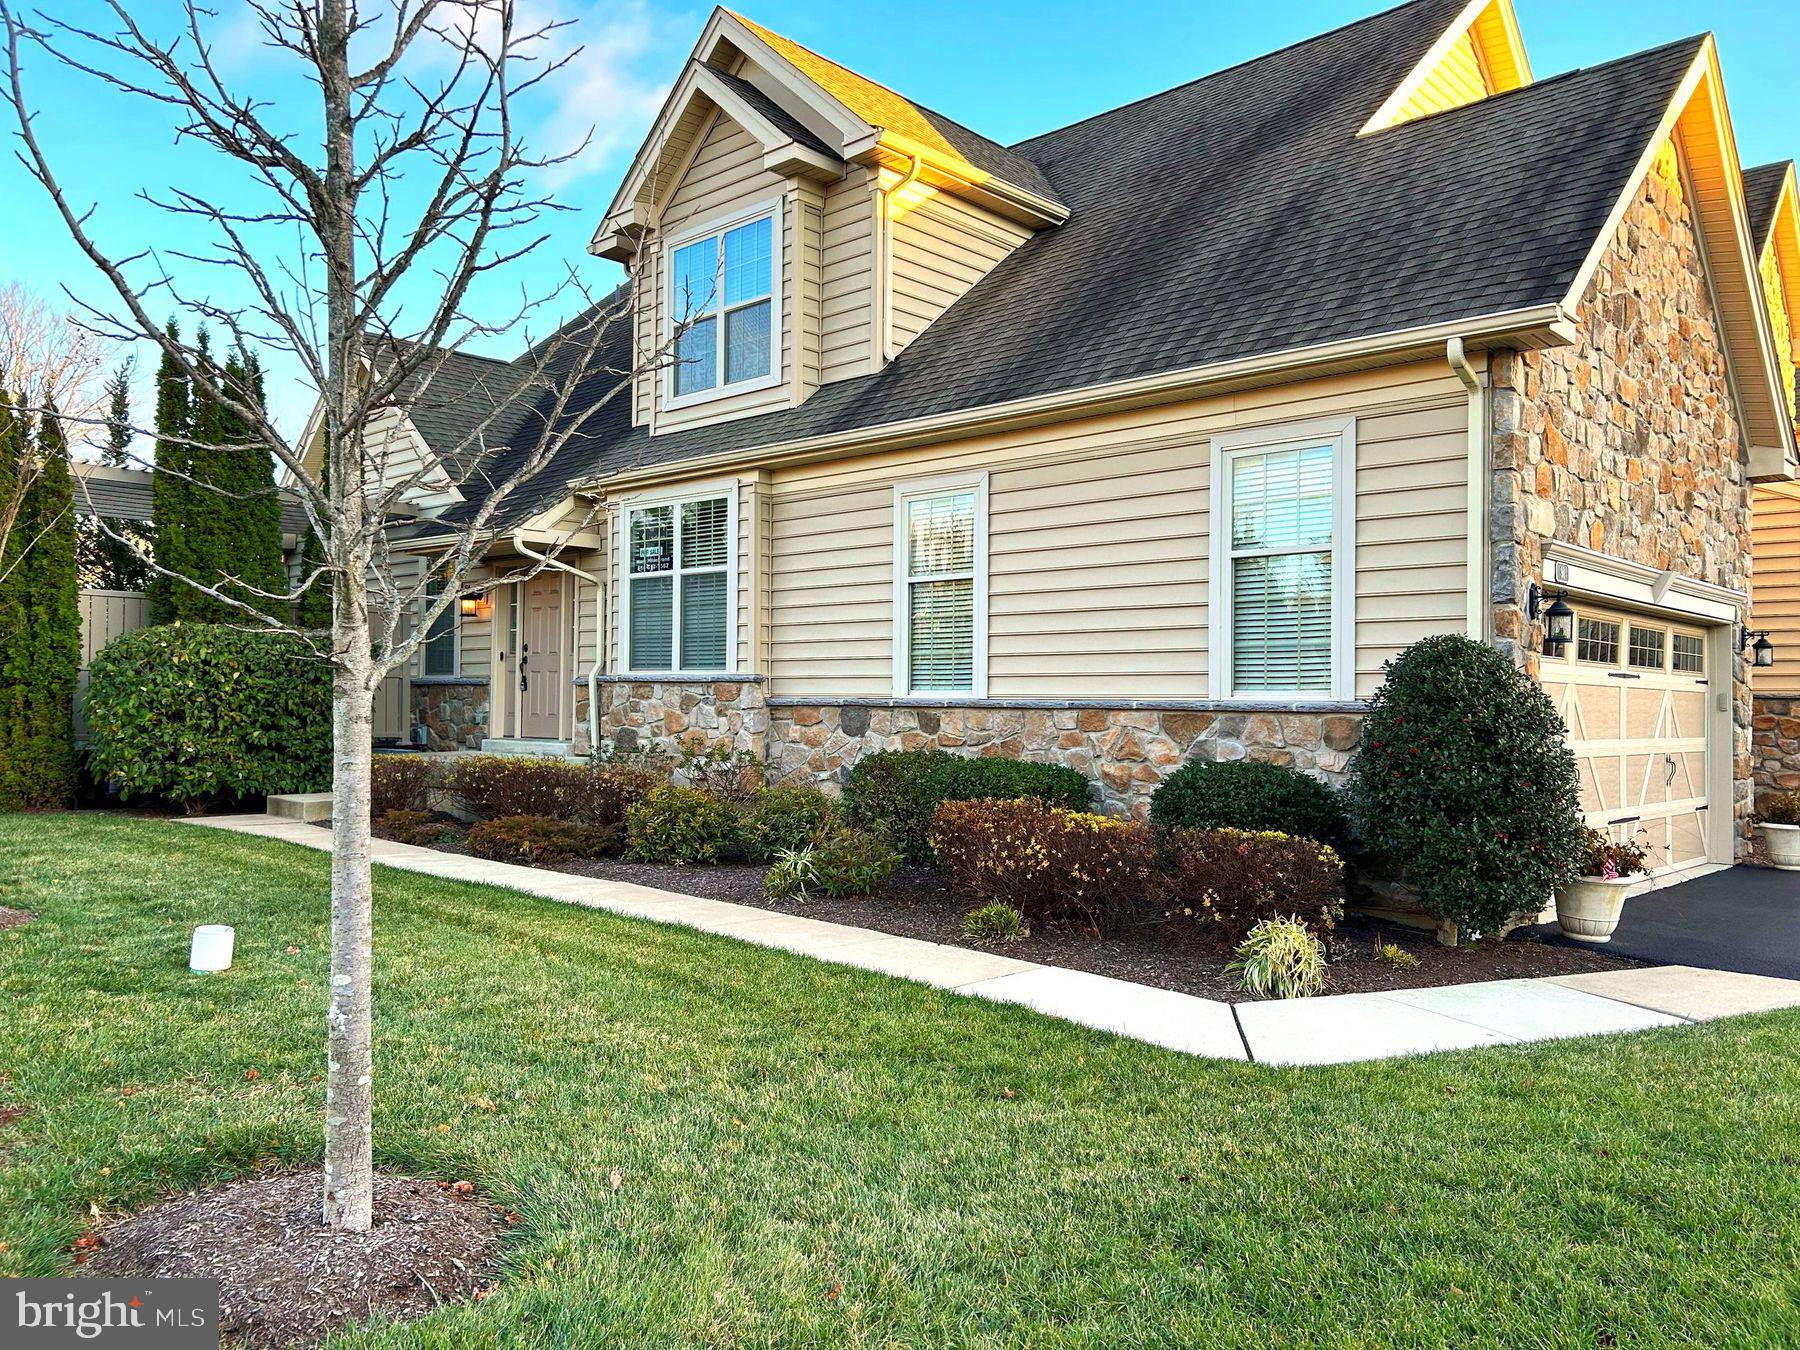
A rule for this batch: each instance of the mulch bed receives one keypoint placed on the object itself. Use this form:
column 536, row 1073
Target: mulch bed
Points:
column 14, row 918
column 1161, row 955
column 287, row 1280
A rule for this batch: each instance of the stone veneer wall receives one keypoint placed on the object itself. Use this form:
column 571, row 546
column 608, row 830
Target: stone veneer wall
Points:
column 1775, row 742
column 1126, row 749
column 669, row 715
column 454, row 712
column 1626, row 441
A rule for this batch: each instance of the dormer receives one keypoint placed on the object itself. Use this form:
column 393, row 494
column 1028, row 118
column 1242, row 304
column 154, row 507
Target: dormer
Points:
column 1480, row 54
column 1772, row 201
column 790, row 223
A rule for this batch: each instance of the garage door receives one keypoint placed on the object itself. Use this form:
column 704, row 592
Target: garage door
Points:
column 1633, row 691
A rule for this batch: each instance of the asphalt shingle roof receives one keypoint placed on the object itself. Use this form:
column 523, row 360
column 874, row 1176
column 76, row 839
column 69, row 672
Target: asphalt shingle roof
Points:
column 1241, row 215
column 1762, row 191
column 126, row 495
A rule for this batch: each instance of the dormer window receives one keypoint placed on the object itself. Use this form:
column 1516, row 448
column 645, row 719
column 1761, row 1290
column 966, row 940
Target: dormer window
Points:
column 725, row 307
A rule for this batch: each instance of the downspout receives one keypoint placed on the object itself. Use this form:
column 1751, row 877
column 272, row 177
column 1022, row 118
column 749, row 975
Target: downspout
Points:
column 886, row 262
column 599, row 585
column 1477, row 470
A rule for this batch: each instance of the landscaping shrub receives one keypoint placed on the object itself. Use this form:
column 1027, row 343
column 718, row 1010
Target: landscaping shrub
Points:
column 1280, row 958
column 735, row 775
column 1465, row 779
column 1067, row 868
column 401, row 783
column 898, row 791
column 1778, row 808
column 195, row 713
column 507, row 785
column 792, row 875
column 414, row 827
column 1247, row 795
column 854, row 864
column 676, row 824
column 995, row 923
column 1227, row 881
column 1393, row 954
column 539, row 839
column 784, row 819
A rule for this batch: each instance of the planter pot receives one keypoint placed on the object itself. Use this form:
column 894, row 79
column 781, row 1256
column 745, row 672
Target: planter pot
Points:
column 1783, row 845
column 1588, row 909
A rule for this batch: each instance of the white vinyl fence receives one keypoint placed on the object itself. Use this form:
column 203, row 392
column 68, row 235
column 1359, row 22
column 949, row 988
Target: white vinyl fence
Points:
column 104, row 616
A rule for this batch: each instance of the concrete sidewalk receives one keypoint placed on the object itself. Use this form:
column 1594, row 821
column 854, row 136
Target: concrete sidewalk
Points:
column 1335, row 1029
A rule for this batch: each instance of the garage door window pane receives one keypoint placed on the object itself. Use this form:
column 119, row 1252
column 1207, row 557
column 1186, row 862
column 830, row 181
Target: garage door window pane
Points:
column 1597, row 640
column 1690, row 654
column 1647, row 648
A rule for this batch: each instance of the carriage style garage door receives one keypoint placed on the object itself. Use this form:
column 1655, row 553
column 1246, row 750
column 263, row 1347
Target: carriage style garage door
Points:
column 1633, row 690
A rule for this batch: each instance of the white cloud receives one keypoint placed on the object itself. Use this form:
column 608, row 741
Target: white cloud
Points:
column 610, row 91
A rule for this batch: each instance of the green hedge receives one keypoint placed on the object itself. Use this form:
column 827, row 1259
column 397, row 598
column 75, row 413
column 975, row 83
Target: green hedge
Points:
column 1247, row 795
column 200, row 713
column 896, row 792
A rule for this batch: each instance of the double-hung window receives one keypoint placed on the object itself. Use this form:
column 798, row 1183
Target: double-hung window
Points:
column 440, row 638
column 724, row 308
column 940, row 588
column 679, row 601
column 1283, row 621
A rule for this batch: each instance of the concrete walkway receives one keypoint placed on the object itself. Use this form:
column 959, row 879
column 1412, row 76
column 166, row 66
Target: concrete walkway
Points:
column 1336, row 1029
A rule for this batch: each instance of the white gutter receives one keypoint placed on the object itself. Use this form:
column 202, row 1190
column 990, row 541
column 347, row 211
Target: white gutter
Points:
column 886, row 226
column 599, row 585
column 1477, row 471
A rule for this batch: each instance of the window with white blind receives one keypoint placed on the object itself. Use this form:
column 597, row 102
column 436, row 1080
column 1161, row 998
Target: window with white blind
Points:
column 940, row 588
column 678, row 589
column 725, row 308
column 1283, row 567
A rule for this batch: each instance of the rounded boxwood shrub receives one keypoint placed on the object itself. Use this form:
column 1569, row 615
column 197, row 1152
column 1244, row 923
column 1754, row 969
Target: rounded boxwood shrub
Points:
column 854, row 864
column 1466, row 781
column 676, row 824
column 198, row 713
column 784, row 820
column 1247, row 795
column 896, row 792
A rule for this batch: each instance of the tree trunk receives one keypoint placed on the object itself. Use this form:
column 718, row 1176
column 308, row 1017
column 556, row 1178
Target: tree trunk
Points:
column 349, row 1106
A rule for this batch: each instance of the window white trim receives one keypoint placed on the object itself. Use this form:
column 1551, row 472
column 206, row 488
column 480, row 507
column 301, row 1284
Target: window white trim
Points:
column 774, row 209
column 434, row 589
column 621, row 543
column 937, row 487
column 1340, row 433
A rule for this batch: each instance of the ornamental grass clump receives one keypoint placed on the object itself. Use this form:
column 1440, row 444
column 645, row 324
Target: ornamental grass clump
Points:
column 995, row 923
column 1465, row 782
column 792, row 876
column 1280, row 958
column 1062, row 868
column 1227, row 881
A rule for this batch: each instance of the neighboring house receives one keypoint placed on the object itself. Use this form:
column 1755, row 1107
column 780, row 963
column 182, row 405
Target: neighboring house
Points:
column 1775, row 594
column 944, row 458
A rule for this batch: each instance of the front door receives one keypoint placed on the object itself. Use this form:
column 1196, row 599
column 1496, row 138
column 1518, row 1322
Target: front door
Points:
column 1633, row 690
column 540, row 656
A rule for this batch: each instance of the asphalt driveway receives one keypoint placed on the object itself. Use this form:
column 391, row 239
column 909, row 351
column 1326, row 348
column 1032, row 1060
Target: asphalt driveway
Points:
column 1744, row 918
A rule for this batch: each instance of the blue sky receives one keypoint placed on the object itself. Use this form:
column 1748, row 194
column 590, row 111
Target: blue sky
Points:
column 1010, row 70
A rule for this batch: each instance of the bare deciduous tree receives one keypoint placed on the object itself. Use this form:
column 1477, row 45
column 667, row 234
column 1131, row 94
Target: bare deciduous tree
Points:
column 413, row 182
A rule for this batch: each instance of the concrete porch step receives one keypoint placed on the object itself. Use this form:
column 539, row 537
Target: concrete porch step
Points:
column 302, row 806
column 525, row 746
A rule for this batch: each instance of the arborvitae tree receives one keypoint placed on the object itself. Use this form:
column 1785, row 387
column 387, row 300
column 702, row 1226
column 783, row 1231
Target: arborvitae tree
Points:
column 40, row 623
column 169, row 490
column 103, row 561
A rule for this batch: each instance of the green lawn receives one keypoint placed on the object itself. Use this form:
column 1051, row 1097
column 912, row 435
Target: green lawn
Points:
column 817, row 1155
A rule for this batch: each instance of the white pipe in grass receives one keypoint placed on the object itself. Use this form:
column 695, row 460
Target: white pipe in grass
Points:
column 211, row 950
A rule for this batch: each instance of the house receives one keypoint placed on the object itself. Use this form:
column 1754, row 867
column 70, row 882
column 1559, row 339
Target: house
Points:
column 940, row 456
column 1774, row 207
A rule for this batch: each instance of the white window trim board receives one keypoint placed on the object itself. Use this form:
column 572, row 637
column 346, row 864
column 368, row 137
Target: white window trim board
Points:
column 934, row 487
column 1226, row 446
column 693, row 492
column 717, row 224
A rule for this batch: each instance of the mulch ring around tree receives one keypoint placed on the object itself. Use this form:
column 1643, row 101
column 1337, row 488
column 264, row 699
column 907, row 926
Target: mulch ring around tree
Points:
column 287, row 1280
column 14, row 918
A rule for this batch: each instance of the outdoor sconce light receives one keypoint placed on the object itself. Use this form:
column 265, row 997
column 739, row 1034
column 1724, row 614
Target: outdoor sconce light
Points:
column 475, row 606
column 1762, row 651
column 1559, row 619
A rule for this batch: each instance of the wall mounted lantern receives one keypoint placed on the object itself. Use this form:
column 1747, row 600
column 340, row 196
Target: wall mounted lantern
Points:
column 1559, row 619
column 1757, row 644
column 475, row 606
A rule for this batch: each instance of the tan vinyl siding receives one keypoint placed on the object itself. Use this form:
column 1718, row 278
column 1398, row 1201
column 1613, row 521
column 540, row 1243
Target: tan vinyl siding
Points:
column 847, row 278
column 397, row 449
column 726, row 174
column 1775, row 586
column 1099, row 542
column 941, row 247
column 1456, row 80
